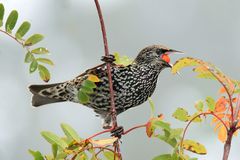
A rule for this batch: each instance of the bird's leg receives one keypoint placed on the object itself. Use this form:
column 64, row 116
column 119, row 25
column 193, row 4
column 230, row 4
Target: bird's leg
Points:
column 108, row 59
column 117, row 132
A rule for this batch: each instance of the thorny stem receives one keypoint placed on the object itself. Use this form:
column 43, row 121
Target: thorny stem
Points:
column 204, row 113
column 113, row 109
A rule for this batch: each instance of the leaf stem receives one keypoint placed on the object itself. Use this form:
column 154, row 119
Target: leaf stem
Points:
column 10, row 35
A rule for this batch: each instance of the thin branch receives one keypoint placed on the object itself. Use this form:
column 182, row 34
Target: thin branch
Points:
column 104, row 34
column 237, row 108
column 133, row 128
column 113, row 109
column 21, row 43
column 228, row 93
column 99, row 133
column 204, row 113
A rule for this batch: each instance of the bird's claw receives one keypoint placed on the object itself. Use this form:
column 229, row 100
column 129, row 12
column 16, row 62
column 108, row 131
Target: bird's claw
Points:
column 117, row 132
column 108, row 59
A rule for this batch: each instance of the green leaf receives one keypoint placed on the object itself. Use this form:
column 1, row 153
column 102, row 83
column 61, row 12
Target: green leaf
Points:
column 109, row 155
column 23, row 29
column 194, row 147
column 33, row 39
column 122, row 60
column 166, row 138
column 54, row 139
column 36, row 154
column 181, row 114
column 61, row 156
column 210, row 103
column 28, row 57
column 89, row 84
column 1, row 14
column 49, row 157
column 33, row 66
column 237, row 91
column 40, row 50
column 163, row 157
column 152, row 106
column 197, row 119
column 162, row 125
column 54, row 150
column 83, row 97
column 70, row 132
column 176, row 133
column 45, row 60
column 199, row 105
column 86, row 90
column 11, row 21
column 44, row 73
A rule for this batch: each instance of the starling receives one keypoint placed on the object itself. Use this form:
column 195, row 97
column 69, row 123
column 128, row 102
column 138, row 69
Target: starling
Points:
column 132, row 84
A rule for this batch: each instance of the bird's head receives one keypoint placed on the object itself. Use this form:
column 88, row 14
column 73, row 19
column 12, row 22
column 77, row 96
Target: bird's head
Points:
column 155, row 55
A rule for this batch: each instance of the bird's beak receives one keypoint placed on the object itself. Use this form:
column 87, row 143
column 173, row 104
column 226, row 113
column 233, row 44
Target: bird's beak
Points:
column 173, row 51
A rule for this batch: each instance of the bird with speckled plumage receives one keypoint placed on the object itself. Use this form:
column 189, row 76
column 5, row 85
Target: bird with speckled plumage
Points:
column 132, row 84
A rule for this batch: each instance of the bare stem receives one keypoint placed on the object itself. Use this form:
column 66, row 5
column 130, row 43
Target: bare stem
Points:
column 104, row 34
column 113, row 109
column 204, row 113
column 227, row 91
column 227, row 145
column 18, row 41
column 133, row 128
column 237, row 108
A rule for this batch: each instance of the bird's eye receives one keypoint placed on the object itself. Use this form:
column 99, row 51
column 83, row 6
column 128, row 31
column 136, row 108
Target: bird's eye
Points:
column 165, row 57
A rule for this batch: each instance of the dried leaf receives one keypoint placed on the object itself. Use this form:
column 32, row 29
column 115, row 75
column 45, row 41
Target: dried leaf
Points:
column 104, row 142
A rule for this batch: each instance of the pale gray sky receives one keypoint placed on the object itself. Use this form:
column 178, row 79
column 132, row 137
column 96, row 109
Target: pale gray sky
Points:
column 205, row 29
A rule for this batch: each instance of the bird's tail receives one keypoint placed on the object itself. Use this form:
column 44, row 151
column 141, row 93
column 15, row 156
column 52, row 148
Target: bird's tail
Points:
column 46, row 94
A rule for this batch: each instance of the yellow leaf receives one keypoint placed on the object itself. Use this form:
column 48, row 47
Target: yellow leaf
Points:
column 104, row 142
column 93, row 78
column 184, row 62
column 194, row 147
column 222, row 134
column 204, row 70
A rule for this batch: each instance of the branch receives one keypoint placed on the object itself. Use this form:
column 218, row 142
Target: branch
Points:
column 228, row 93
column 237, row 108
column 20, row 42
column 204, row 113
column 133, row 128
column 113, row 109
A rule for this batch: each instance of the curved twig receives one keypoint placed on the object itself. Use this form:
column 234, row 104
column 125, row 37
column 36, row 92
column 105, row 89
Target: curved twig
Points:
column 204, row 113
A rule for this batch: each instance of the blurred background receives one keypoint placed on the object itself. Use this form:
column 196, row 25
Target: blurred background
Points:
column 205, row 29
